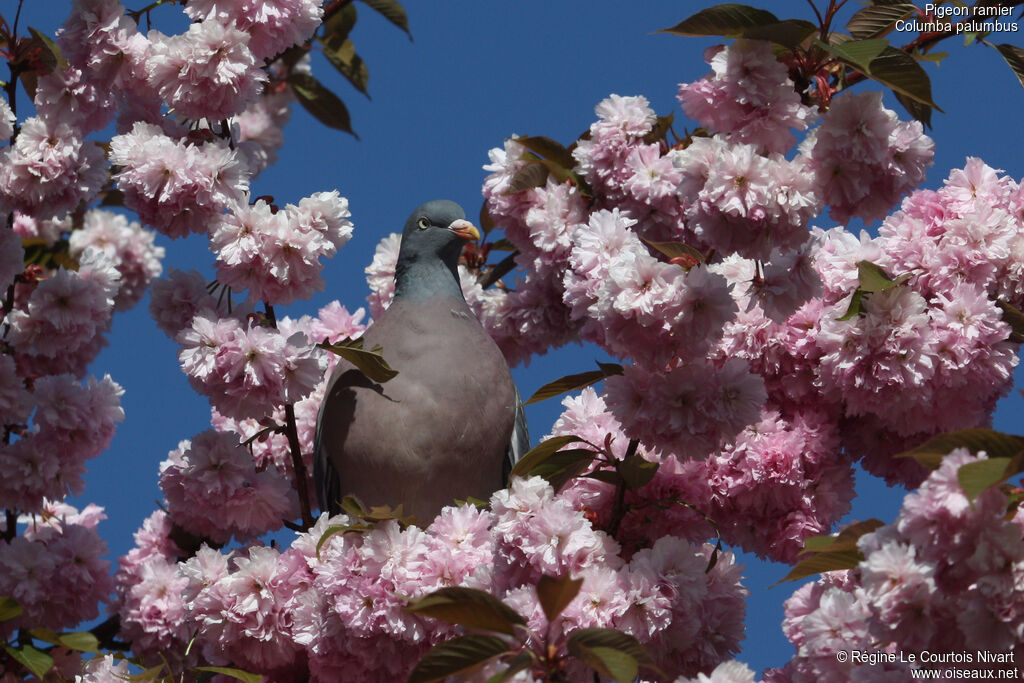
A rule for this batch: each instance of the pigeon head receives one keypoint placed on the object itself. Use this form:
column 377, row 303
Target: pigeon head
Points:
column 432, row 240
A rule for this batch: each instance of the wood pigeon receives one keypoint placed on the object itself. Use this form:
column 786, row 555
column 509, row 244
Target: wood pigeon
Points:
column 450, row 424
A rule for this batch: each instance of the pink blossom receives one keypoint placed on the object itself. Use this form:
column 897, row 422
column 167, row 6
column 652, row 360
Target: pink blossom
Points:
column 177, row 188
column 260, row 129
column 245, row 372
column 70, row 97
column 380, row 274
column 748, row 96
column 49, row 230
column 104, row 669
column 864, row 158
column 151, row 610
column 49, row 169
column 71, row 424
column 7, row 120
column 130, row 249
column 207, row 72
column 744, row 202
column 66, row 315
column 15, row 401
column 273, row 25
column 688, row 409
column 176, row 299
column 276, row 255
column 96, row 38
column 213, row 489
column 244, row 615
column 12, row 257
column 55, row 573
column 780, row 482
column 537, row 533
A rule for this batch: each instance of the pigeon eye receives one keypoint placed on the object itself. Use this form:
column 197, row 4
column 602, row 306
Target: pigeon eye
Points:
column 423, row 223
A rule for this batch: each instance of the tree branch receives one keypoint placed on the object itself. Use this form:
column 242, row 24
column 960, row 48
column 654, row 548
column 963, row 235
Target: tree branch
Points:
column 496, row 272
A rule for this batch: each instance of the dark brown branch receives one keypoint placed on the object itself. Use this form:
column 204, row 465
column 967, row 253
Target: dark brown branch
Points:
column 496, row 272
column 619, row 508
column 301, row 475
column 11, row 520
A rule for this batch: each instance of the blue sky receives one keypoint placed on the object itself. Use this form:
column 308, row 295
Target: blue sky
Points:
column 474, row 74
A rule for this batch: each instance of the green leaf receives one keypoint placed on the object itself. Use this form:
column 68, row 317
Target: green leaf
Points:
column 935, row 57
column 1014, row 56
column 1014, row 318
column 470, row 608
column 660, row 129
column 81, row 641
column 532, row 174
column 788, row 33
column 857, row 53
column 899, row 71
column 562, row 466
column 611, row 653
column 855, row 307
column 675, row 250
column 9, row 608
column 831, row 553
column 486, row 223
column 350, row 65
column 575, row 382
column 873, row 279
column 371, row 363
column 457, row 656
column 607, row 476
column 541, row 452
column 995, row 444
column 981, row 475
column 729, row 19
column 549, row 149
column 324, row 105
column 39, row 663
column 920, row 112
column 337, row 529
column 876, row 21
column 824, row 561
column 846, row 539
column 518, row 663
column 339, row 24
column 233, row 673
column 53, row 58
column 151, row 674
column 555, row 594
column 636, row 472
column 502, row 245
column 392, row 11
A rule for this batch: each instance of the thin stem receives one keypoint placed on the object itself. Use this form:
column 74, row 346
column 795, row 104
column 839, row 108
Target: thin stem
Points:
column 821, row 21
column 14, row 28
column 495, row 273
column 291, row 431
column 11, row 530
column 619, row 508
column 301, row 474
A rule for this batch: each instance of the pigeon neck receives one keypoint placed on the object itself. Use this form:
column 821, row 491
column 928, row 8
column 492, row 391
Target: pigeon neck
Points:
column 423, row 278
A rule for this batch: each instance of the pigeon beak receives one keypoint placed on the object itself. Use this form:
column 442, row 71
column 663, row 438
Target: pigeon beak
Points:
column 464, row 229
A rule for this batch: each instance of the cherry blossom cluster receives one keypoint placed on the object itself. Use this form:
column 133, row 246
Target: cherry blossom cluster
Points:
column 945, row 577
column 332, row 605
column 54, row 568
column 747, row 382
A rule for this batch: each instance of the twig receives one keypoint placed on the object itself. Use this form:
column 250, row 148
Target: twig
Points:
column 11, row 530
column 495, row 273
column 301, row 475
column 619, row 508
